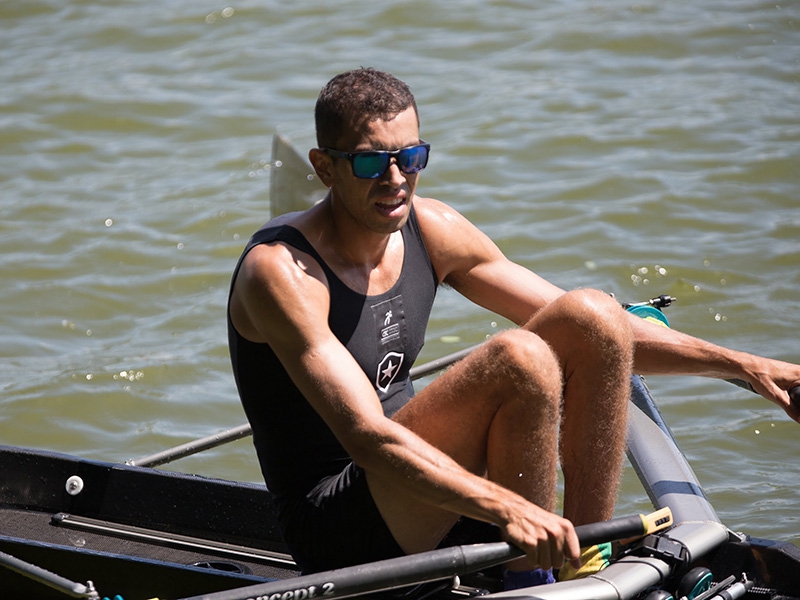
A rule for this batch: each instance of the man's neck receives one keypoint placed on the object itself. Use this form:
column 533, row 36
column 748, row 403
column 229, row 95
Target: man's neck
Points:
column 364, row 259
column 354, row 242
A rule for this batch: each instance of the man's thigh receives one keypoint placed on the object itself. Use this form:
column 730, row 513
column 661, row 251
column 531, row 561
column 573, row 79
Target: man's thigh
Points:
column 455, row 413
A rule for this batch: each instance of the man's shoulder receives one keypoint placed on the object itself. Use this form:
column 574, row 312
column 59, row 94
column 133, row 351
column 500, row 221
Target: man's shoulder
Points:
column 278, row 260
column 292, row 219
column 435, row 215
column 275, row 279
column 286, row 234
column 439, row 222
column 455, row 245
column 426, row 205
column 279, row 255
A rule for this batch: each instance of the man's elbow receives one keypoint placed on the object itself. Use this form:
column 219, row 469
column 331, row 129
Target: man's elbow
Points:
column 371, row 447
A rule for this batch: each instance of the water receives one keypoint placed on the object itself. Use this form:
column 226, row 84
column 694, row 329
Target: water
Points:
column 641, row 148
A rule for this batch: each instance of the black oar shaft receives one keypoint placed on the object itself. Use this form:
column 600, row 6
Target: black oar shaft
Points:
column 439, row 363
column 606, row 531
column 193, row 447
column 378, row 576
column 418, row 568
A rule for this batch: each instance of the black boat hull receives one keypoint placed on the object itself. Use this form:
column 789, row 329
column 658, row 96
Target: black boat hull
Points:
column 133, row 531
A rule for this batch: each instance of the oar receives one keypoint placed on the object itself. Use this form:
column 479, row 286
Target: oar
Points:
column 236, row 433
column 193, row 447
column 439, row 363
column 624, row 528
column 430, row 566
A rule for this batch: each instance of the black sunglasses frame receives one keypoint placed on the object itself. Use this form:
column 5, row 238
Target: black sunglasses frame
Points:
column 388, row 154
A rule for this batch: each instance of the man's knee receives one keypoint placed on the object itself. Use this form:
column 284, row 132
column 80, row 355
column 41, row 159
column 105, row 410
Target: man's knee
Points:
column 595, row 316
column 519, row 356
column 592, row 304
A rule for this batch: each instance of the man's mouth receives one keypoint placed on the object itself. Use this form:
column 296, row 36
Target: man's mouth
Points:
column 389, row 206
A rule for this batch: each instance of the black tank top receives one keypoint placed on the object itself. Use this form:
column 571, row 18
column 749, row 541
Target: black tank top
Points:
column 384, row 333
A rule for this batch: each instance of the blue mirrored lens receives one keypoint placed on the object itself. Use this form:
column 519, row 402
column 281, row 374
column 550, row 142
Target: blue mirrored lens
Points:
column 370, row 165
column 412, row 160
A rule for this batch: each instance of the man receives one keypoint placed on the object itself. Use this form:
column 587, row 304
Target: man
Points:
column 327, row 313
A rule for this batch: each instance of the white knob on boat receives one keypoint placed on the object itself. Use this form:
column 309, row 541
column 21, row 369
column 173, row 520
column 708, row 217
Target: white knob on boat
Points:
column 74, row 485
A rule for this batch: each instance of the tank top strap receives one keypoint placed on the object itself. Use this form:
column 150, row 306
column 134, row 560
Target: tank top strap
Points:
column 293, row 237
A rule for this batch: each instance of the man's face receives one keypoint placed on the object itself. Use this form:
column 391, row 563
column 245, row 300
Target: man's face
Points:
column 381, row 205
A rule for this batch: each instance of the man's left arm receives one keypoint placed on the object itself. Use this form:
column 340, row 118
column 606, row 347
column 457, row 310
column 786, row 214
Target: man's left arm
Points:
column 471, row 263
column 663, row 351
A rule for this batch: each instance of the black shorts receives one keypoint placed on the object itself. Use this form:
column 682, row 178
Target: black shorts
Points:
column 337, row 525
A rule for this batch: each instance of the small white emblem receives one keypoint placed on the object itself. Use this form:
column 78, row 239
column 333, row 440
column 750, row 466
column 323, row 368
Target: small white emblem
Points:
column 388, row 369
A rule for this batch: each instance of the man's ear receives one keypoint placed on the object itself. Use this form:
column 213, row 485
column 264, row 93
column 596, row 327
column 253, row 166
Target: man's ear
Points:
column 323, row 166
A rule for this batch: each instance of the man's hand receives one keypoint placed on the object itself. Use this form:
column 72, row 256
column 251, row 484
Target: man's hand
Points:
column 547, row 539
column 778, row 382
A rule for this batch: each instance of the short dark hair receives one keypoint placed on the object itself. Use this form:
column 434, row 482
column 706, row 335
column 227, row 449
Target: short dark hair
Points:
column 355, row 98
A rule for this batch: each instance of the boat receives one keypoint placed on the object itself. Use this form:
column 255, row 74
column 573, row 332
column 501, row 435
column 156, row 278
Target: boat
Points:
column 81, row 528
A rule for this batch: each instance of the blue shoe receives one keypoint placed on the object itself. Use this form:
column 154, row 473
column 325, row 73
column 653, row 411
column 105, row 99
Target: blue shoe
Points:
column 515, row 580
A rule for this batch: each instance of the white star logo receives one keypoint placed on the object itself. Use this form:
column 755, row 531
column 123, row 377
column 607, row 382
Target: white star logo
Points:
column 388, row 370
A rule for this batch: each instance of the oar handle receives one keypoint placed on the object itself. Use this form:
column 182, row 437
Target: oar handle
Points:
column 794, row 396
column 794, row 393
column 623, row 528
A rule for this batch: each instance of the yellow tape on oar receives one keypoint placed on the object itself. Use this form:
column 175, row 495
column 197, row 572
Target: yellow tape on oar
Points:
column 658, row 520
column 655, row 521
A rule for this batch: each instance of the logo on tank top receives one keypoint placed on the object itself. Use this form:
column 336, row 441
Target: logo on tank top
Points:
column 388, row 369
column 389, row 321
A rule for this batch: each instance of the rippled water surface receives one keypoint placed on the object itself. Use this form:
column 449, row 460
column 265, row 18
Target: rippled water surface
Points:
column 641, row 148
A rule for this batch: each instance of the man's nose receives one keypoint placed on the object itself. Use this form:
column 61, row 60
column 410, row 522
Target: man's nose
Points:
column 393, row 173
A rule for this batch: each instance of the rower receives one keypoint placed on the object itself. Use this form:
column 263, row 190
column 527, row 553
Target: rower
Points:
column 327, row 313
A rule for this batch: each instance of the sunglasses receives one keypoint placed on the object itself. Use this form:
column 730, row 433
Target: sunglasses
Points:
column 374, row 163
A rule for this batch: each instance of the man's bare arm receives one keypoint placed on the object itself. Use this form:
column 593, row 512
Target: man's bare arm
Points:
column 466, row 259
column 469, row 261
column 662, row 351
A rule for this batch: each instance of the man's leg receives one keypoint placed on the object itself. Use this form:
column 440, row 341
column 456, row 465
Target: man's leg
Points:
column 496, row 414
column 590, row 334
